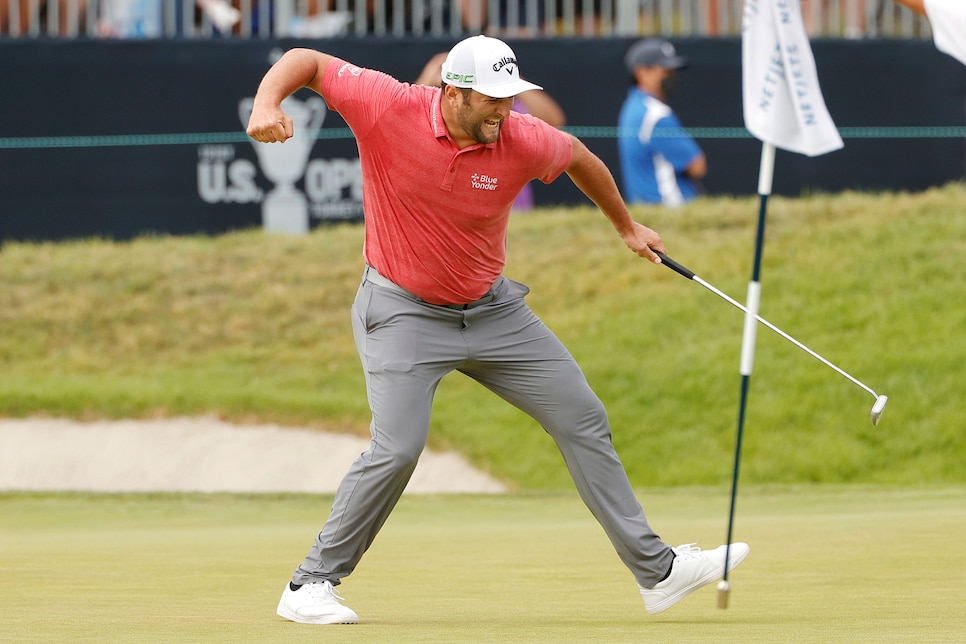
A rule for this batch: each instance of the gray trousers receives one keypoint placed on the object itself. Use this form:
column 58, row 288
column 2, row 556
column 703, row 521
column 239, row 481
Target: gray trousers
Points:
column 406, row 347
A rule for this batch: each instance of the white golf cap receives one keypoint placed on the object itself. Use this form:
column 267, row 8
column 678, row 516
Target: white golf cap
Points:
column 487, row 65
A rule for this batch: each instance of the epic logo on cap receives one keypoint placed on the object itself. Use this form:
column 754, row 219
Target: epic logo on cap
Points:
column 453, row 77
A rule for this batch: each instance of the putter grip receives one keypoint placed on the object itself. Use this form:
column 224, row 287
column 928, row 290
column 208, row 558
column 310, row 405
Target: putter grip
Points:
column 674, row 266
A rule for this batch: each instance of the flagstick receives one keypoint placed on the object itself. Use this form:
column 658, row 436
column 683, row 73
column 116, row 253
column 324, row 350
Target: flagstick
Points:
column 765, row 174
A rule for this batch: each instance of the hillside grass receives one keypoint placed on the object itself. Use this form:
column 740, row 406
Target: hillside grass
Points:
column 253, row 327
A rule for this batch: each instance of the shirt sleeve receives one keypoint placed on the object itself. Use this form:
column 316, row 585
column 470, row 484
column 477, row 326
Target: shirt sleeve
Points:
column 358, row 94
column 552, row 146
column 674, row 143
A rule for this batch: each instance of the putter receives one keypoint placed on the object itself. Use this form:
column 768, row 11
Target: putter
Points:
column 880, row 401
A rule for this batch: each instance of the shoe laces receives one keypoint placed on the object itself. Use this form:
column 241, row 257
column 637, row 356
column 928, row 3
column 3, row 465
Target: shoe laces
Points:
column 323, row 591
column 687, row 551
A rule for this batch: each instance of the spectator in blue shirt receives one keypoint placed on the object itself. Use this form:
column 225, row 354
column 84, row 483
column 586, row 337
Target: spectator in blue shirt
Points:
column 660, row 162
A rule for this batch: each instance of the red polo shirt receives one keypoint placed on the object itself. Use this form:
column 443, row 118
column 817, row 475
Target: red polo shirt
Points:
column 436, row 216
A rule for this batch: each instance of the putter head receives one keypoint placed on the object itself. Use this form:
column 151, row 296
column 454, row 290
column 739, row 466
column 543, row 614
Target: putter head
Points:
column 877, row 408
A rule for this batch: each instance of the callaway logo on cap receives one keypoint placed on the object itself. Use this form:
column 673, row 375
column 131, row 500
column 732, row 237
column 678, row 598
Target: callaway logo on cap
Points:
column 487, row 65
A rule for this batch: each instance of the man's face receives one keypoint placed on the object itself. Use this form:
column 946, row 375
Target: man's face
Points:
column 656, row 80
column 481, row 117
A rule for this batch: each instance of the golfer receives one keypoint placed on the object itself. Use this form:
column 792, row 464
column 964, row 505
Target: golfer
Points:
column 441, row 167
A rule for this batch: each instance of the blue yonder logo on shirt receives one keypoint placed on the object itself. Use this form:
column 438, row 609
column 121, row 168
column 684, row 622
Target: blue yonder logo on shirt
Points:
column 483, row 182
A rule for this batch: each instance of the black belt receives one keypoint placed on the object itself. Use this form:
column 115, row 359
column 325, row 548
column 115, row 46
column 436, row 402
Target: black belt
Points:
column 372, row 275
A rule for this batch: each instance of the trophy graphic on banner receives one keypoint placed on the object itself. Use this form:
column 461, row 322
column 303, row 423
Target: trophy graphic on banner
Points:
column 285, row 209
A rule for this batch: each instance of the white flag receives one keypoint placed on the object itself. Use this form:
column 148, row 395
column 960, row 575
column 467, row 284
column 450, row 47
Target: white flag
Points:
column 948, row 21
column 783, row 103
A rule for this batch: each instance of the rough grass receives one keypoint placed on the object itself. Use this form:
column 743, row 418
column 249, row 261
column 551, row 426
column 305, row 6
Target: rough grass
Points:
column 254, row 327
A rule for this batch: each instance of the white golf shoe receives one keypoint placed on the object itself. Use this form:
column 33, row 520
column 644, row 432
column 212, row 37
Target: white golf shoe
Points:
column 315, row 603
column 692, row 569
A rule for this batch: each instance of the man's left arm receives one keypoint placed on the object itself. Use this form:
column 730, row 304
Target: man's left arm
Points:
column 698, row 167
column 591, row 175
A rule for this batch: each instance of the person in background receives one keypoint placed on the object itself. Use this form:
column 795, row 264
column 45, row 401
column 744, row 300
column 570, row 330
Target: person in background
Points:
column 660, row 162
column 535, row 102
column 17, row 17
column 823, row 18
column 146, row 18
column 948, row 21
column 476, row 17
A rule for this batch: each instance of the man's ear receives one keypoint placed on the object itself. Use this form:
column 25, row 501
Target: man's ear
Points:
column 453, row 95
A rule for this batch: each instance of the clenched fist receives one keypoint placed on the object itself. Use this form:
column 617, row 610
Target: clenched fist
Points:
column 270, row 125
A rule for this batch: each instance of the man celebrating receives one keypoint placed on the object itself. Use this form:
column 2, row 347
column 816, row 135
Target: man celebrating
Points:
column 660, row 162
column 441, row 167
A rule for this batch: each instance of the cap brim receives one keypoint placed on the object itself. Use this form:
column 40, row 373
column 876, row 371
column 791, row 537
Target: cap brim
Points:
column 506, row 90
column 675, row 62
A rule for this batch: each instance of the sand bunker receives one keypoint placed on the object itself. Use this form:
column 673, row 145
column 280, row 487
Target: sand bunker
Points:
column 200, row 455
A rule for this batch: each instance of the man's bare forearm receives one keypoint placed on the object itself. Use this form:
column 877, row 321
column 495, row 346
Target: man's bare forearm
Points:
column 595, row 180
column 298, row 68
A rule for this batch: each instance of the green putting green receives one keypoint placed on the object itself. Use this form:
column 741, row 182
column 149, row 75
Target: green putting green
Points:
column 827, row 564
